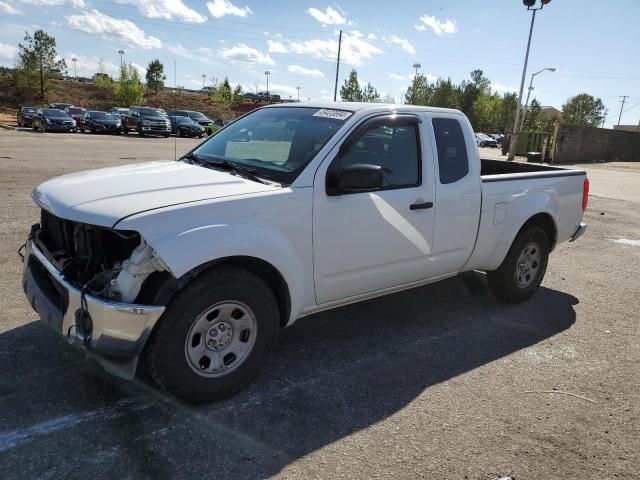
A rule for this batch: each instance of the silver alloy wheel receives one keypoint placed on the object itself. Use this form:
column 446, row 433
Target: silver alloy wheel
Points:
column 528, row 265
column 220, row 339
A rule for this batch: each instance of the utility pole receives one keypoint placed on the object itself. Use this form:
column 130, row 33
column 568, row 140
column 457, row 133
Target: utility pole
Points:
column 514, row 136
column 267, row 73
column 335, row 88
column 121, row 53
column 624, row 99
column 298, row 88
column 75, row 73
column 204, row 79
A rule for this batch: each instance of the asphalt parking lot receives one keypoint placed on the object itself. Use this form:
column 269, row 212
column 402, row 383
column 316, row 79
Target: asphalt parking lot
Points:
column 437, row 382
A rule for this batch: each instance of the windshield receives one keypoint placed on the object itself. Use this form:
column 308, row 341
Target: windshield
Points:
column 52, row 112
column 102, row 116
column 29, row 110
column 196, row 115
column 152, row 112
column 76, row 110
column 276, row 142
column 183, row 120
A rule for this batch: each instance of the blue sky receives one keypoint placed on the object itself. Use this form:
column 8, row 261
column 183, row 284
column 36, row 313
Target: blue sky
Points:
column 593, row 45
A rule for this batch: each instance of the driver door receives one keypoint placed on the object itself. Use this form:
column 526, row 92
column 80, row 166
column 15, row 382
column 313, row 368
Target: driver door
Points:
column 368, row 241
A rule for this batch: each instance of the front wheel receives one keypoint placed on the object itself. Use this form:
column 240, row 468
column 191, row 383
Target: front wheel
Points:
column 215, row 336
column 523, row 269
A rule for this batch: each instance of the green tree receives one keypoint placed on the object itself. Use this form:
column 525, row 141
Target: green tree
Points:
column 370, row 94
column 533, row 116
column 350, row 91
column 507, row 112
column 584, row 110
column 445, row 94
column 155, row 75
column 39, row 54
column 419, row 92
column 129, row 89
column 225, row 97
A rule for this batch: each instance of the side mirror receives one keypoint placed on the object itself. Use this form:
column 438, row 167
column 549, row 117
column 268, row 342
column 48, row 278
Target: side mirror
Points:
column 361, row 177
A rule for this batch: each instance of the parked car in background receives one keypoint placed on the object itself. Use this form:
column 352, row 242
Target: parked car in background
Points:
column 25, row 116
column 186, row 127
column 53, row 120
column 498, row 137
column 100, row 122
column 194, row 265
column 146, row 121
column 60, row 106
column 76, row 112
column 484, row 140
column 119, row 111
column 197, row 117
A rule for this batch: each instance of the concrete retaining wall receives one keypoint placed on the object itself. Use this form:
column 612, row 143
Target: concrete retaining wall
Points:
column 574, row 144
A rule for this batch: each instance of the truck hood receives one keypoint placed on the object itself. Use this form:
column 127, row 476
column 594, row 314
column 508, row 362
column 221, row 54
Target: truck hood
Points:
column 103, row 197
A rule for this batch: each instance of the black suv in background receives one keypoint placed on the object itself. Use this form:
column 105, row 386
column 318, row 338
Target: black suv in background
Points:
column 99, row 122
column 198, row 117
column 146, row 121
column 60, row 106
column 186, row 127
column 25, row 116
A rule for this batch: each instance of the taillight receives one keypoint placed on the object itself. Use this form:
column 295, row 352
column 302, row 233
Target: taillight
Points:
column 585, row 193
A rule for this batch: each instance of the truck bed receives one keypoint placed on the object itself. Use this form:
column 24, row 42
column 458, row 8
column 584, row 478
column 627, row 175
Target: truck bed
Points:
column 500, row 170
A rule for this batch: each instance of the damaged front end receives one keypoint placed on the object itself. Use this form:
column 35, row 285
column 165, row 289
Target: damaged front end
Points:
column 86, row 282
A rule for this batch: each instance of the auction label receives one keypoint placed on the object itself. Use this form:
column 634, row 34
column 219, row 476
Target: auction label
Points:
column 335, row 114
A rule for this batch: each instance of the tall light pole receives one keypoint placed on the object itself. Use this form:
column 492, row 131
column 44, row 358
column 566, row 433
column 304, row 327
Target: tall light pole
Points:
column 121, row 53
column 75, row 73
column 526, row 103
column 204, row 79
column 514, row 136
column 298, row 88
column 267, row 73
column 413, row 92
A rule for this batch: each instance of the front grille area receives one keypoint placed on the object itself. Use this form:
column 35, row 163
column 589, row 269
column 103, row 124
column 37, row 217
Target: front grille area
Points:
column 79, row 250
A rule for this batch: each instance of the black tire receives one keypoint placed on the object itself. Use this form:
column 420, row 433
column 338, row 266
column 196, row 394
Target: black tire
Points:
column 141, row 133
column 125, row 131
column 179, row 132
column 166, row 135
column 509, row 283
column 165, row 353
column 34, row 128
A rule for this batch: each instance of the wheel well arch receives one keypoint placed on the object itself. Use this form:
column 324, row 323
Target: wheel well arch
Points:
column 546, row 223
column 160, row 287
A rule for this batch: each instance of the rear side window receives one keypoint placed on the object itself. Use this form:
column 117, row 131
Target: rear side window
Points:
column 452, row 151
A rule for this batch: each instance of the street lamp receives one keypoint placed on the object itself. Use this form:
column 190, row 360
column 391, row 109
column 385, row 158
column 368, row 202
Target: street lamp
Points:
column 417, row 66
column 267, row 73
column 298, row 88
column 514, row 136
column 75, row 73
column 204, row 78
column 526, row 104
column 121, row 53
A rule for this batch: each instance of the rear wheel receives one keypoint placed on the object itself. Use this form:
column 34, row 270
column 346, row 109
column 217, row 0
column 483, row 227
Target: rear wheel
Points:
column 523, row 269
column 215, row 336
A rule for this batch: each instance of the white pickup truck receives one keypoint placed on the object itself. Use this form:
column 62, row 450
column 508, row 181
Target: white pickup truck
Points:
column 194, row 265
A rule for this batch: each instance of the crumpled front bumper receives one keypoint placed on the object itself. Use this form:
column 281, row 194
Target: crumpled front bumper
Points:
column 118, row 331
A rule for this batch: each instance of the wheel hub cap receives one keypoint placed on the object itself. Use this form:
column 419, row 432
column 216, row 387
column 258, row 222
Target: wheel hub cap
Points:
column 220, row 339
column 528, row 265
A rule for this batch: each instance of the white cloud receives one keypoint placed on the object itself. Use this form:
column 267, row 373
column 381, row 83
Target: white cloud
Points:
column 354, row 48
column 201, row 54
column 8, row 9
column 310, row 72
column 500, row 88
column 87, row 66
column 55, row 3
column 329, row 16
column 95, row 22
column 220, row 8
column 244, row 53
column 396, row 76
column 372, row 36
column 8, row 52
column 166, row 9
column 438, row 27
column 276, row 46
column 403, row 43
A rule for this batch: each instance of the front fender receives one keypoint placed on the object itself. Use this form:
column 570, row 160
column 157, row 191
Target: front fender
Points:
column 187, row 250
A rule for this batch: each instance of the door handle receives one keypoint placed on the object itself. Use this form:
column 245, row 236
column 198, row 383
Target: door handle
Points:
column 420, row 206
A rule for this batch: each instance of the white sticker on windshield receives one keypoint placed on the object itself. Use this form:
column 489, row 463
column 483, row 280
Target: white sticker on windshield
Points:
column 335, row 114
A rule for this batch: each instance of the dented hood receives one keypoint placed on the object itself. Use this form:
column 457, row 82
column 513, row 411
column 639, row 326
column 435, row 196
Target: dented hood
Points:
column 103, row 197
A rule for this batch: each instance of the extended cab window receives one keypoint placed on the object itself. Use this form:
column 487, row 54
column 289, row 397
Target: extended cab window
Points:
column 452, row 151
column 391, row 144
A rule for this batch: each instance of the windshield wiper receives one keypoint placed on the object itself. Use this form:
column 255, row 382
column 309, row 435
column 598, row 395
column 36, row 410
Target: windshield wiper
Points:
column 233, row 167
